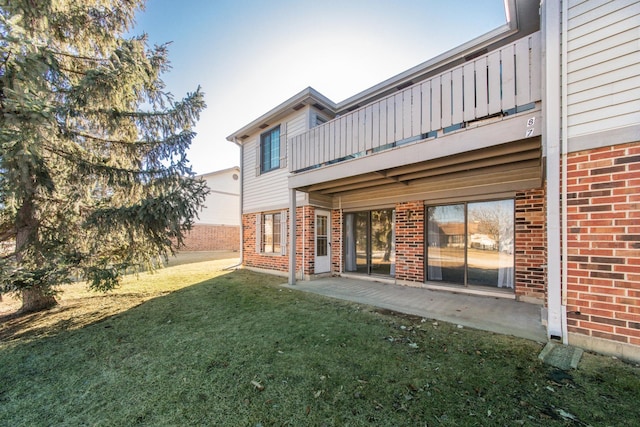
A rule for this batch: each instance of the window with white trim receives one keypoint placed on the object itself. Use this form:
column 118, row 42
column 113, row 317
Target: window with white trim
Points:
column 270, row 150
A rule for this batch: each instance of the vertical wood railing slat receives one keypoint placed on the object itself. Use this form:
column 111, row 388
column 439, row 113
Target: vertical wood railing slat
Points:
column 535, row 64
column 321, row 145
column 468, row 71
column 446, row 99
column 375, row 125
column 383, row 122
column 522, row 72
column 391, row 120
column 493, row 69
column 363, row 118
column 425, row 90
column 303, row 159
column 436, row 103
column 349, row 141
column 508, row 78
column 366, row 127
column 342, row 128
column 416, row 110
column 456, row 96
column 482, row 99
column 292, row 153
column 406, row 114
column 397, row 101
column 332, row 140
column 316, row 147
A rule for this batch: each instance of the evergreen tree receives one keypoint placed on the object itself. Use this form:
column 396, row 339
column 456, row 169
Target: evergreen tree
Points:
column 94, row 177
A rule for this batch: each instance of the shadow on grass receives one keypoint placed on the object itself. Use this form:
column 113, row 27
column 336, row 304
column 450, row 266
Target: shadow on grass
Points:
column 239, row 349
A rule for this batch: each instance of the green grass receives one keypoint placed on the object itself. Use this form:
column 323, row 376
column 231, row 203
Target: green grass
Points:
column 195, row 345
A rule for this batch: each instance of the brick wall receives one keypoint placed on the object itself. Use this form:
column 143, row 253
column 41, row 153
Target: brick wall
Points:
column 603, row 295
column 410, row 222
column 305, row 239
column 203, row 237
column 336, row 240
column 530, row 244
column 251, row 258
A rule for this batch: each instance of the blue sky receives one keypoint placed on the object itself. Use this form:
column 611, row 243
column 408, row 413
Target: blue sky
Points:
column 250, row 55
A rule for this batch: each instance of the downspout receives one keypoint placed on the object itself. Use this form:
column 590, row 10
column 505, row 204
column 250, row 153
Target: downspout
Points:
column 235, row 140
column 564, row 164
column 292, row 236
column 551, row 140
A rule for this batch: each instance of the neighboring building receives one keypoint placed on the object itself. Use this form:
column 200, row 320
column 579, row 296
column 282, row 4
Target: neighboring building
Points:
column 455, row 174
column 218, row 225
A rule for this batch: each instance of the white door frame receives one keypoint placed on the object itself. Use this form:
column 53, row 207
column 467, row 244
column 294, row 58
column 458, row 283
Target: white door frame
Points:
column 322, row 264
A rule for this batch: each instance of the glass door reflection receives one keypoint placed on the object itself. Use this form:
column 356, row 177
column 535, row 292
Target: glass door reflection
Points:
column 446, row 243
column 370, row 242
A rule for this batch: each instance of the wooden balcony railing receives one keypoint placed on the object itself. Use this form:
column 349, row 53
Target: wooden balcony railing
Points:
column 501, row 82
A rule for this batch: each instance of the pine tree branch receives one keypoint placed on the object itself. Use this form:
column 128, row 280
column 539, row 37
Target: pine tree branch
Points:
column 80, row 57
column 73, row 158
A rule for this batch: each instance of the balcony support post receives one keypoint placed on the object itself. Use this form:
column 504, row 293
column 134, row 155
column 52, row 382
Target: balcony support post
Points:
column 292, row 236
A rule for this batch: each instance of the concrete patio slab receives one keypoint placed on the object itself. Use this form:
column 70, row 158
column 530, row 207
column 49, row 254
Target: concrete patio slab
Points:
column 500, row 315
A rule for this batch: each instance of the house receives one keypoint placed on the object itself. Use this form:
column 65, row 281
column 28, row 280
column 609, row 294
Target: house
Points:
column 218, row 226
column 508, row 166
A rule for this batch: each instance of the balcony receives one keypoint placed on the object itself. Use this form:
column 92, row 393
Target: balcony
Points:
column 494, row 86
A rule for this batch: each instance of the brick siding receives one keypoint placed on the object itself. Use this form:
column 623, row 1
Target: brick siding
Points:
column 410, row 222
column 531, row 244
column 603, row 196
column 251, row 258
column 336, row 240
column 304, row 240
column 203, row 237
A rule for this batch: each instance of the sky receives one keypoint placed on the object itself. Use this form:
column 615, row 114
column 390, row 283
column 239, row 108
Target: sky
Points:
column 248, row 56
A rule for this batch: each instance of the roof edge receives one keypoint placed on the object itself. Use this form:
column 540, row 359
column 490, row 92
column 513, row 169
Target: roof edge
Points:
column 218, row 172
column 303, row 97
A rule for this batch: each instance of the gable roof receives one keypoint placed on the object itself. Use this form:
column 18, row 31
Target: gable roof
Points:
column 308, row 96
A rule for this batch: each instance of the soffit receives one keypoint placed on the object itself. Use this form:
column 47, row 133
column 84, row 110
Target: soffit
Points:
column 518, row 160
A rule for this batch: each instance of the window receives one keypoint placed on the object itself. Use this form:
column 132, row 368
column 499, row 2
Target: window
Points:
column 270, row 150
column 471, row 243
column 271, row 233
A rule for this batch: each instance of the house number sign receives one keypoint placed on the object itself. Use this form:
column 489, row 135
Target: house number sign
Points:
column 530, row 127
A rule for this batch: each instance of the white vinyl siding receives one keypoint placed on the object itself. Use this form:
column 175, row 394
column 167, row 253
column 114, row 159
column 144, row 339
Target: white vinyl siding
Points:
column 222, row 205
column 603, row 66
column 268, row 191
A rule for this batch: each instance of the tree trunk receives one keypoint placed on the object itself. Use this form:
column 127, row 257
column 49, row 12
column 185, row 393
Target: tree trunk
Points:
column 34, row 299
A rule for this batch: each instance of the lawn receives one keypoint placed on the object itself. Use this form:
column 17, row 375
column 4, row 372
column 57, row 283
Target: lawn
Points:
column 196, row 345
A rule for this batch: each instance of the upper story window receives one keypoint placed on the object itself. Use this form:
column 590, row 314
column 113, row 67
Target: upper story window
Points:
column 270, row 150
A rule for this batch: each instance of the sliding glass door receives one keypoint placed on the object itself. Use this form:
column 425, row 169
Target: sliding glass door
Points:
column 471, row 243
column 445, row 253
column 370, row 242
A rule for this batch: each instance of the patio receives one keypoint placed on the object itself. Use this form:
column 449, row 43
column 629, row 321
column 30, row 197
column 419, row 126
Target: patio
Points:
column 500, row 315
